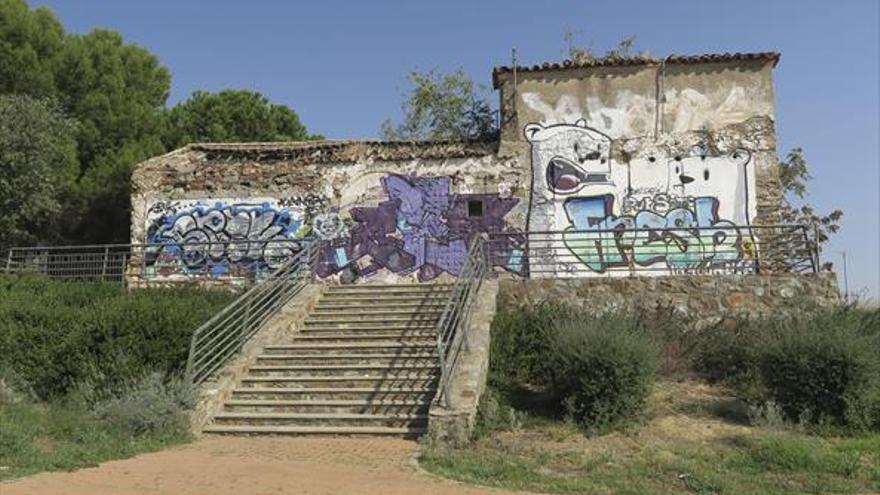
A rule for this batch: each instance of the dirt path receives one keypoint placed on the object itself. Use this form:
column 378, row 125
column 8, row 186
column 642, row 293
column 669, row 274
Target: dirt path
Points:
column 254, row 466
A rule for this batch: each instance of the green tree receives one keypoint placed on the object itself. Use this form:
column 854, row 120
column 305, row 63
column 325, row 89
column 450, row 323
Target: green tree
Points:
column 443, row 107
column 115, row 91
column 31, row 42
column 794, row 177
column 229, row 116
column 38, row 167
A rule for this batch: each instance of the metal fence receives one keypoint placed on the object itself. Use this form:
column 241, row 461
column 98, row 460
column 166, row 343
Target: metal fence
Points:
column 654, row 251
column 240, row 259
column 223, row 335
column 453, row 324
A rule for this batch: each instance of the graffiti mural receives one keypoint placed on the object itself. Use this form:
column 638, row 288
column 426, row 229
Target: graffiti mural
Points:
column 422, row 228
column 237, row 237
column 619, row 215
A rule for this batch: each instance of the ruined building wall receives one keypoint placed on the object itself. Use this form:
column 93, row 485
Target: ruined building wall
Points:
column 384, row 220
column 647, row 146
column 642, row 146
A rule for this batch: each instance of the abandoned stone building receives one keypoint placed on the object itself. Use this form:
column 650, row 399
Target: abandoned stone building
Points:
column 614, row 183
column 584, row 150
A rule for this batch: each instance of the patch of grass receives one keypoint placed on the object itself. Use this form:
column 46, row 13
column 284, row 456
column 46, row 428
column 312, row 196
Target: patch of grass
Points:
column 63, row 436
column 675, row 453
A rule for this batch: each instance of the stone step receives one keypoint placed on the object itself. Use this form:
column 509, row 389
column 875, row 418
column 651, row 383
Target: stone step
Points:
column 379, row 306
column 327, row 358
column 378, row 372
column 405, row 336
column 328, row 381
column 360, row 325
column 389, row 346
column 378, row 318
column 391, row 291
column 317, row 368
column 323, row 419
column 386, row 287
column 317, row 430
column 409, row 406
column 342, row 298
column 404, row 357
column 426, row 329
column 337, row 393
column 374, row 311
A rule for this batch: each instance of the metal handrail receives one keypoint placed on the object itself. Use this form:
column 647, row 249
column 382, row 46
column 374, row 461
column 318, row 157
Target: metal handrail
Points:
column 452, row 327
column 147, row 261
column 645, row 251
column 214, row 342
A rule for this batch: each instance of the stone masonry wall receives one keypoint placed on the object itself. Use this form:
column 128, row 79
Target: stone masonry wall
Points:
column 705, row 298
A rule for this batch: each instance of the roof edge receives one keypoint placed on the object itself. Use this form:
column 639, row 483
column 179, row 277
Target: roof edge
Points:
column 709, row 58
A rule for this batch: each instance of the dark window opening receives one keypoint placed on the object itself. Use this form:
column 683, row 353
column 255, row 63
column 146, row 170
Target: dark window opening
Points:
column 475, row 208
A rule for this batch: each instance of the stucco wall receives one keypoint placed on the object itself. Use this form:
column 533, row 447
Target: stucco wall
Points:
column 643, row 147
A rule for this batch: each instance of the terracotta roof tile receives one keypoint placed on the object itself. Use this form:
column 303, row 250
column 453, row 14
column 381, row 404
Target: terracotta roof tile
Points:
column 638, row 60
column 343, row 150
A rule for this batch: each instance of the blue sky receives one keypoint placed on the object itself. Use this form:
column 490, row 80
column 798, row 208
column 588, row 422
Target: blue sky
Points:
column 342, row 66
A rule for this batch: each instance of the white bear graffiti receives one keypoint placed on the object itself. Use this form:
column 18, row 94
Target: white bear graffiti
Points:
column 678, row 213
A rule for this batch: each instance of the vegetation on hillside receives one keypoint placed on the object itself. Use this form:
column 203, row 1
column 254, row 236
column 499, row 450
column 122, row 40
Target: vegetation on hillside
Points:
column 90, row 371
column 648, row 403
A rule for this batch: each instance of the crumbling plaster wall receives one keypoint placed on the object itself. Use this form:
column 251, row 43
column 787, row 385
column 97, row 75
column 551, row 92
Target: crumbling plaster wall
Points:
column 349, row 204
column 655, row 109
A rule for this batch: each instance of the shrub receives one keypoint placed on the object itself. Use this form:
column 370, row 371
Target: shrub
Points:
column 150, row 405
column 55, row 335
column 494, row 414
column 728, row 353
column 824, row 368
column 604, row 369
column 521, row 344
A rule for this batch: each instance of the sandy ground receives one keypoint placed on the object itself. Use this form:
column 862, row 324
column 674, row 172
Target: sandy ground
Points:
column 254, row 466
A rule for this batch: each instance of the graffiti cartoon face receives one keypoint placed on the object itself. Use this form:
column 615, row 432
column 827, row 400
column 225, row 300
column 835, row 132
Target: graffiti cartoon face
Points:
column 568, row 157
column 329, row 226
column 722, row 177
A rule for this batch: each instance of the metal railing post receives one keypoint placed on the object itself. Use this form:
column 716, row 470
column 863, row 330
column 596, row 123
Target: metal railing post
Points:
column 9, row 261
column 104, row 265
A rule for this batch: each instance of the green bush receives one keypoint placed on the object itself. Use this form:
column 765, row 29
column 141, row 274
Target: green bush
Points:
column 817, row 367
column 56, row 335
column 521, row 344
column 728, row 353
column 824, row 368
column 605, row 366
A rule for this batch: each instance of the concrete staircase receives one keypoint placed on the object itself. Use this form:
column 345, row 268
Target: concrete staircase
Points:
column 365, row 362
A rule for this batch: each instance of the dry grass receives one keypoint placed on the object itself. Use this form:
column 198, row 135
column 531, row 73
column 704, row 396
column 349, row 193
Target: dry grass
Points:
column 694, row 439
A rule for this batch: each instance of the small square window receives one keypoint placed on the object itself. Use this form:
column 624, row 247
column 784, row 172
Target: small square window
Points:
column 475, row 208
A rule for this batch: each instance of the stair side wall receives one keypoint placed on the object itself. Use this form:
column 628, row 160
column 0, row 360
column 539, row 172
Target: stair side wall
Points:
column 453, row 424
